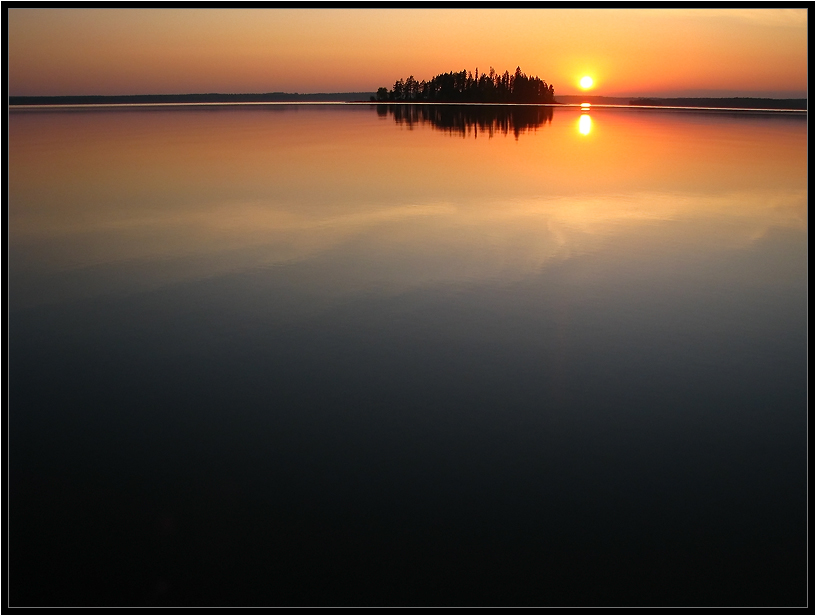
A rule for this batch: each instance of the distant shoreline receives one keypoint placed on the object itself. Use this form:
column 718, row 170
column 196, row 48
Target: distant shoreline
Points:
column 732, row 102
column 157, row 99
column 791, row 104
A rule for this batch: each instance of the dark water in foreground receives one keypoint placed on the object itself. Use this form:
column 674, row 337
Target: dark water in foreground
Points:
column 350, row 356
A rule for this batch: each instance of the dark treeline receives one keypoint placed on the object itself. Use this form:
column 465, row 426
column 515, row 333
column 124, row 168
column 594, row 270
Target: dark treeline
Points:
column 464, row 86
column 735, row 102
column 145, row 99
column 465, row 120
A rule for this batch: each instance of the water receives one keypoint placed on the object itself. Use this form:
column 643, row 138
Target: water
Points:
column 377, row 356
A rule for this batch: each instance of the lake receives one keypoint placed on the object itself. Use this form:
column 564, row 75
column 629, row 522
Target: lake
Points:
column 360, row 355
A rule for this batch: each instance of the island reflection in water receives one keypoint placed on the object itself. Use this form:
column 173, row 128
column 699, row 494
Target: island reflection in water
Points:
column 326, row 360
column 471, row 119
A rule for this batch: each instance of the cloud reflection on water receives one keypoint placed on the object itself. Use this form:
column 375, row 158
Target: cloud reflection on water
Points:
column 182, row 195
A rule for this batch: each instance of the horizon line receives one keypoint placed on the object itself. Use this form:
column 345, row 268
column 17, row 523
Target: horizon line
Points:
column 774, row 95
column 579, row 106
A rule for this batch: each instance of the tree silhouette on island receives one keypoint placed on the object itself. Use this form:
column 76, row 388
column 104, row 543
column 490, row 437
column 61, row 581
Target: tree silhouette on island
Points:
column 464, row 87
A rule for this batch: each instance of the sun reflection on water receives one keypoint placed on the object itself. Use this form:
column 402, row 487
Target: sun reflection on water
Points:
column 584, row 124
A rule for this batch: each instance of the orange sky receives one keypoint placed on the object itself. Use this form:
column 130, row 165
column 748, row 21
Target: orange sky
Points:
column 628, row 52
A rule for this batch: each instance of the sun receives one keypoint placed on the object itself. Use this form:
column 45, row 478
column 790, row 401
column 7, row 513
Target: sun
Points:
column 586, row 82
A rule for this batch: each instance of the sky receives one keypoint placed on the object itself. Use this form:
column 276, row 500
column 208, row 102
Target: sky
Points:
column 627, row 52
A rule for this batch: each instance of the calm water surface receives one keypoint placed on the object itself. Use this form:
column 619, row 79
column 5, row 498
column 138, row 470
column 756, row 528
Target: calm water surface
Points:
column 322, row 355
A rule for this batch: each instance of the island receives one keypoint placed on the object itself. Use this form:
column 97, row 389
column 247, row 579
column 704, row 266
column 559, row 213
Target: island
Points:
column 467, row 87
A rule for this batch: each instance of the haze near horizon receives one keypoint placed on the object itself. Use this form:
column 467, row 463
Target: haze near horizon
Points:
column 626, row 52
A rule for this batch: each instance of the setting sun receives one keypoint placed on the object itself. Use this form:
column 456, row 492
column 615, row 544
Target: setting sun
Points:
column 586, row 82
